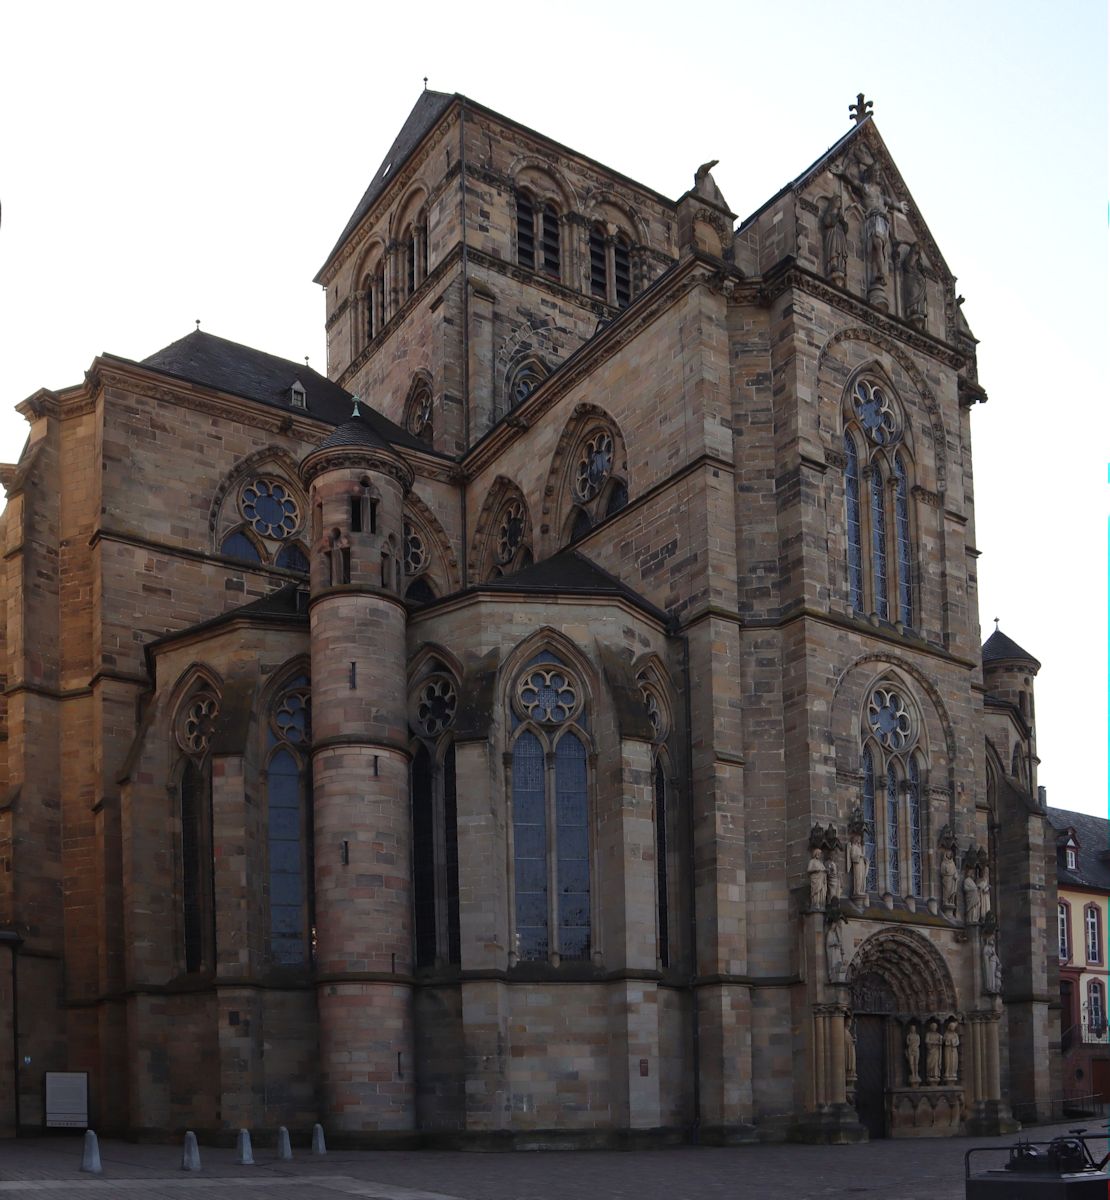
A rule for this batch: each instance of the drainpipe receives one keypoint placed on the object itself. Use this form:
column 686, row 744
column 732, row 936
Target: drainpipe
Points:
column 13, row 941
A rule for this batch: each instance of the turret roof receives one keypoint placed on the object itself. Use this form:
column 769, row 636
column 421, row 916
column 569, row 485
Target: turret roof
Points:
column 998, row 648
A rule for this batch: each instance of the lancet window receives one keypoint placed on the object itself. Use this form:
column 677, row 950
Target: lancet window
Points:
column 537, row 235
column 665, row 819
column 270, row 516
column 878, row 514
column 893, row 798
column 550, row 807
column 435, row 846
column 597, row 487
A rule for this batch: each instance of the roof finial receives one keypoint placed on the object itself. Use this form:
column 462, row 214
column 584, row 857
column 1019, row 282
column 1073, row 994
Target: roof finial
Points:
column 861, row 110
column 356, row 412
column 198, row 324
column 306, row 360
column 995, row 624
column 425, row 83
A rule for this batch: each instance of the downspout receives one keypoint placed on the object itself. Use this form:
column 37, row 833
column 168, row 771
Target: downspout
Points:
column 693, row 892
column 13, row 942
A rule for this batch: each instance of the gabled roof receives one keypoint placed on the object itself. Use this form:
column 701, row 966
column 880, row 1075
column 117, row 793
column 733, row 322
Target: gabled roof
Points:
column 1093, row 835
column 569, row 573
column 427, row 110
column 215, row 362
column 283, row 605
column 999, row 648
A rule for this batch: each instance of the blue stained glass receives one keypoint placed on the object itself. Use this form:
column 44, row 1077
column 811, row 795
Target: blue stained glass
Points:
column 905, row 556
column 287, row 893
column 530, row 851
column 915, row 826
column 292, row 558
column 855, row 544
column 869, row 818
column 238, row 545
column 878, row 543
column 894, row 867
column 572, row 840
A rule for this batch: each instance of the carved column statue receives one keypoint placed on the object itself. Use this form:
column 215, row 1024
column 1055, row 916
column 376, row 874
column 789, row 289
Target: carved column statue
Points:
column 913, row 1056
column 834, row 238
column 983, row 877
column 915, row 301
column 818, row 879
column 949, row 872
column 934, row 1043
column 951, row 1052
column 857, row 856
column 835, row 962
column 972, row 895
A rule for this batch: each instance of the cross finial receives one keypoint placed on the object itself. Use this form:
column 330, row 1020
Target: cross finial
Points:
column 425, row 83
column 356, row 412
column 198, row 324
column 995, row 624
column 861, row 110
column 306, row 360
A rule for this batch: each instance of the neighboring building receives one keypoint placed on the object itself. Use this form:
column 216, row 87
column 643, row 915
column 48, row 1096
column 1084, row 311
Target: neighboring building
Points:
column 654, row 777
column 1083, row 887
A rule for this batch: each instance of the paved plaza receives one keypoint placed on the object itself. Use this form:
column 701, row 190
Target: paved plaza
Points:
column 892, row 1170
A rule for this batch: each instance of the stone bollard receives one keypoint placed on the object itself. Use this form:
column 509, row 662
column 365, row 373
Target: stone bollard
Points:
column 90, row 1158
column 244, row 1156
column 190, row 1154
column 285, row 1151
column 318, row 1146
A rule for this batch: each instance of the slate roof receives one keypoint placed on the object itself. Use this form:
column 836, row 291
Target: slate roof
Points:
column 570, row 573
column 282, row 605
column 355, row 431
column 215, row 362
column 427, row 110
column 1093, row 835
column 998, row 647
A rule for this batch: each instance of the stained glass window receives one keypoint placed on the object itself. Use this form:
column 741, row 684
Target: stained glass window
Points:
column 238, row 545
column 270, row 508
column 572, row 842
column 855, row 544
column 905, row 554
column 286, row 845
column 530, row 848
column 878, row 543
column 292, row 558
column 894, row 866
column 914, row 813
column 869, row 818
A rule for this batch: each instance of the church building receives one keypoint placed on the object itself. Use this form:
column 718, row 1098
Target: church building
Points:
column 562, row 723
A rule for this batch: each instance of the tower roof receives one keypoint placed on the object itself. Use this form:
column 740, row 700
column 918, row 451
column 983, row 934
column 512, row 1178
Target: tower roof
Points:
column 427, row 110
column 999, row 648
column 355, row 431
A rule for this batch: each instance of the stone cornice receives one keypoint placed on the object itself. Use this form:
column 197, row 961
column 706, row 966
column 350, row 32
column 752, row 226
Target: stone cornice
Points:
column 337, row 458
column 788, row 274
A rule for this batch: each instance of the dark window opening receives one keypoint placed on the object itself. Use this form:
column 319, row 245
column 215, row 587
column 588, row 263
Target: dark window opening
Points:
column 582, row 525
column 410, row 264
column 292, row 558
column 420, row 592
column 345, row 565
column 550, row 227
column 373, row 506
column 525, row 233
column 618, row 497
column 192, row 868
column 238, row 545
column 356, row 514
column 622, row 272
column 451, row 837
column 423, row 858
column 661, row 897
column 597, row 264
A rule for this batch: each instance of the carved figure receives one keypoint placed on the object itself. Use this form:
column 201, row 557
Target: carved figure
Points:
column 951, row 1052
column 832, row 871
column 818, row 880
column 862, row 178
column 983, row 872
column 992, row 966
column 834, row 945
column 949, row 880
column 913, row 1056
column 849, row 1050
column 834, row 236
column 915, row 300
column 857, row 866
column 972, row 897
column 934, row 1043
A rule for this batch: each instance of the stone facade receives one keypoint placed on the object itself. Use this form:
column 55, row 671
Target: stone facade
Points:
column 581, row 735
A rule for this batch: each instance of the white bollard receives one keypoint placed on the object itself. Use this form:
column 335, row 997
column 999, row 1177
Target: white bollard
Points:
column 190, row 1154
column 244, row 1156
column 285, row 1151
column 90, row 1158
column 318, row 1146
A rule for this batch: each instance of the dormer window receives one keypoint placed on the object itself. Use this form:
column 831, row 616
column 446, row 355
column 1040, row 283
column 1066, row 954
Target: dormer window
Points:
column 298, row 397
column 1071, row 858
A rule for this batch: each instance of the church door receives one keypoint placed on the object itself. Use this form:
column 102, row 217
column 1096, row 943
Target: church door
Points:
column 871, row 1074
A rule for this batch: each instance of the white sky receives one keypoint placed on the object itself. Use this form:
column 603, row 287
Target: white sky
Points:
column 160, row 163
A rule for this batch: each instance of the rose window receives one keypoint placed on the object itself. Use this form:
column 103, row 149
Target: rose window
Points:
column 293, row 717
column 421, row 420
column 416, row 557
column 270, row 508
column 594, row 466
column 875, row 412
column 198, row 723
column 511, row 532
column 435, row 705
column 889, row 718
column 548, row 695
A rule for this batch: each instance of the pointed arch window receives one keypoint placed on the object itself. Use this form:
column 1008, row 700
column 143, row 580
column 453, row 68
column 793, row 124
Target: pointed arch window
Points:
column 869, row 817
column 238, row 545
column 288, row 783
column 667, row 831
column 435, row 845
column 550, row 815
column 880, row 581
column 195, row 725
column 597, row 488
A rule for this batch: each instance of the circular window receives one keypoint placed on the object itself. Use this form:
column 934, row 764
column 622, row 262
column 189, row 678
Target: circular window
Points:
column 420, row 422
column 416, row 557
column 594, row 465
column 549, row 695
column 198, row 721
column 436, row 701
column 510, row 532
column 269, row 506
column 889, row 718
column 875, row 412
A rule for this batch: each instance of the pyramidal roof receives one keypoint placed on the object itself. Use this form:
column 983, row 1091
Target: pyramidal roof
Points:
column 998, row 648
column 427, row 110
column 355, row 431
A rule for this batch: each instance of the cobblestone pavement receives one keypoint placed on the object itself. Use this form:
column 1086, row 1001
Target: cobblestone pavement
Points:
column 891, row 1170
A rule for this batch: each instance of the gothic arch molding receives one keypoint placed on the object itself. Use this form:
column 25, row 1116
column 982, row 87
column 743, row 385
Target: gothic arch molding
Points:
column 550, row 639
column 483, row 557
column 562, row 190
column 600, row 197
column 925, row 393
column 444, row 555
column 276, row 458
column 912, row 965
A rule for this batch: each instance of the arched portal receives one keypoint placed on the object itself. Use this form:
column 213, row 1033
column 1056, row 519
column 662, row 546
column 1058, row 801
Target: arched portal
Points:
column 903, row 1004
